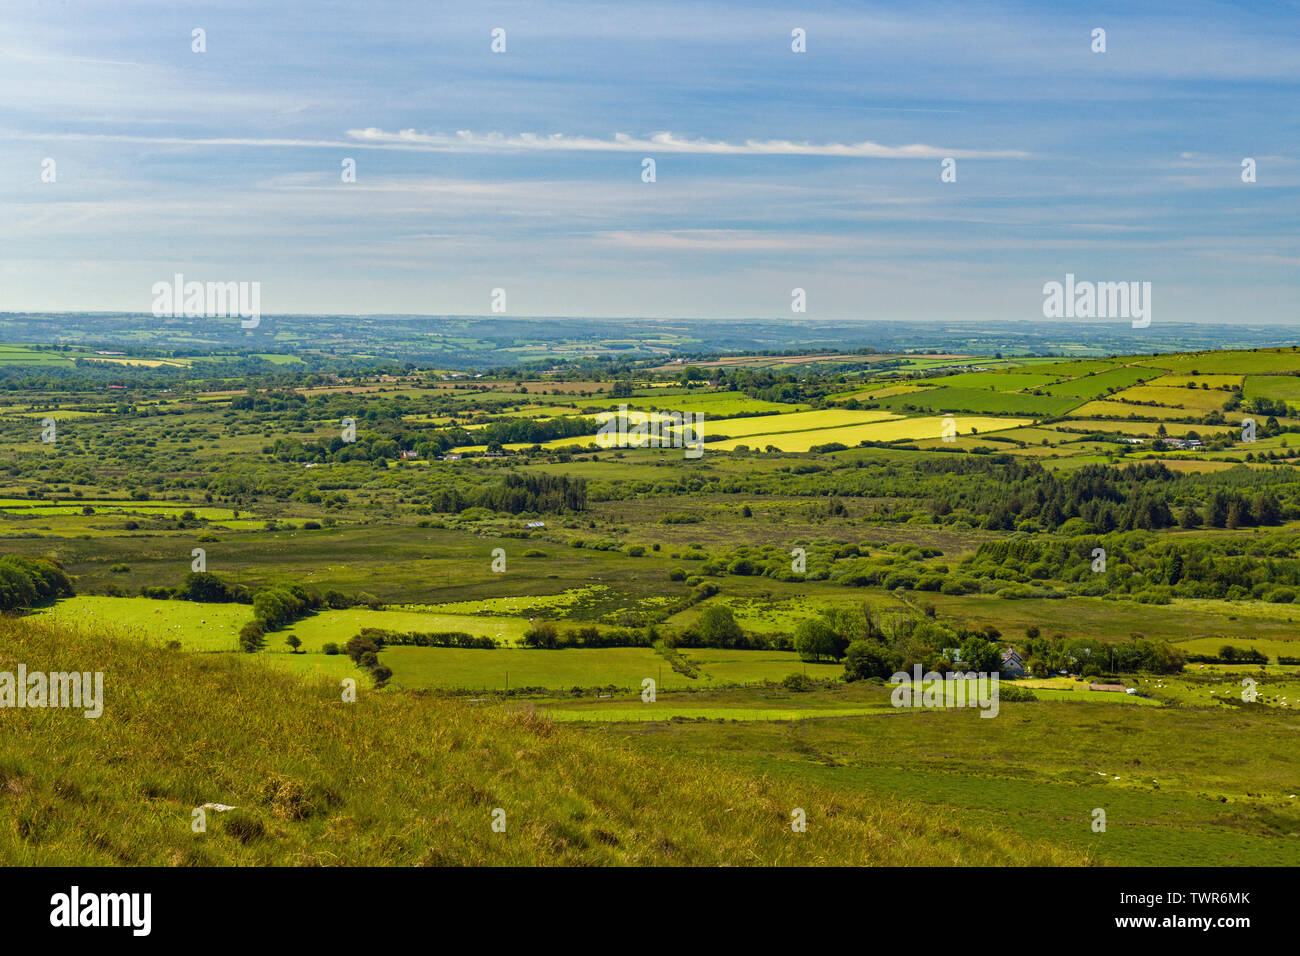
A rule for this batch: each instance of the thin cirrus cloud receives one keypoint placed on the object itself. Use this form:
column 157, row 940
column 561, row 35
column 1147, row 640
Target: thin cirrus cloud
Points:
column 663, row 142
column 465, row 141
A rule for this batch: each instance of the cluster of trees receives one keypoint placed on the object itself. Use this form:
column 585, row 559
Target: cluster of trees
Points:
column 1143, row 496
column 282, row 604
column 872, row 644
column 1143, row 566
column 545, row 635
column 1092, row 658
column 1001, row 493
column 206, row 587
column 274, row 607
column 771, row 386
column 364, row 651
column 1231, row 508
column 382, row 638
column 31, row 582
column 1232, row 655
column 1150, row 568
column 1274, row 407
column 717, row 627
column 269, row 401
column 391, row 435
column 515, row 494
column 1102, row 498
column 538, row 493
column 497, row 434
column 203, row 586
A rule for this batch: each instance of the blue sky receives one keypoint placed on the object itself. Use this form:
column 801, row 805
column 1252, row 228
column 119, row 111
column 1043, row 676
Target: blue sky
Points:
column 775, row 170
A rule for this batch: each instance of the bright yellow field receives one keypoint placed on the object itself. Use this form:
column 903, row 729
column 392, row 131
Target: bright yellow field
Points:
column 1093, row 409
column 798, row 421
column 1180, row 381
column 1199, row 399
column 740, row 427
column 131, row 360
column 899, row 429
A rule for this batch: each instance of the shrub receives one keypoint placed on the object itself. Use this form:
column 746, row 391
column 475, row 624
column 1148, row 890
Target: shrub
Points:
column 1008, row 691
column 799, row 683
column 277, row 606
column 386, row 638
column 358, row 646
column 866, row 659
column 718, row 628
column 542, row 634
column 252, row 637
column 679, row 518
column 815, row 639
column 205, row 587
column 27, row 582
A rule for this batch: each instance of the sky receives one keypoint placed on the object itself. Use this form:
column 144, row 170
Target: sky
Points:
column 522, row 170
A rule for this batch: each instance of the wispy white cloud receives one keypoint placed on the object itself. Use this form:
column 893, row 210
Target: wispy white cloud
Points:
column 665, row 142
column 465, row 141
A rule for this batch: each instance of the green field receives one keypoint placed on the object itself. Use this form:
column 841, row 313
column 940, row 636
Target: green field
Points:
column 198, row 627
column 424, row 668
column 979, row 401
column 1170, row 796
column 1091, row 386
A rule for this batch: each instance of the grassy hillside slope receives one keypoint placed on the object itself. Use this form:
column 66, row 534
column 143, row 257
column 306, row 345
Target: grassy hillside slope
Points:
column 395, row 779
